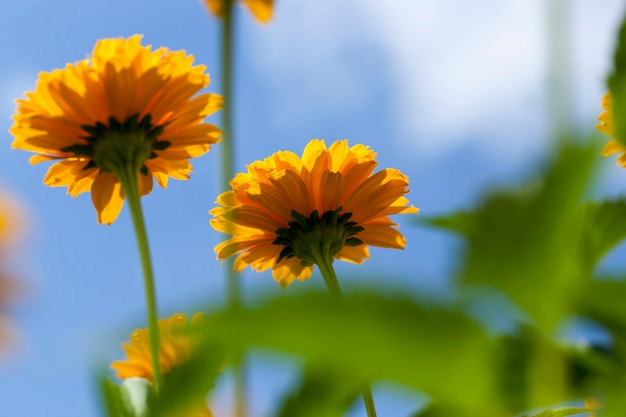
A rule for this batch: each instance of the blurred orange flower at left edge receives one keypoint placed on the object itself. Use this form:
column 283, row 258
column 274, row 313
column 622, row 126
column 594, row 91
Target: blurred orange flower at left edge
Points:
column 13, row 229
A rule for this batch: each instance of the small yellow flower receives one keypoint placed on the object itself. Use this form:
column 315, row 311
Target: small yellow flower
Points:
column 286, row 209
column 261, row 9
column 175, row 348
column 607, row 126
column 127, row 107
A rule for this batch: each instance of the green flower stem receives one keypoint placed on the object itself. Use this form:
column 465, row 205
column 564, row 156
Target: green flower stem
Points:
column 325, row 264
column 234, row 290
column 368, row 399
column 129, row 179
column 328, row 272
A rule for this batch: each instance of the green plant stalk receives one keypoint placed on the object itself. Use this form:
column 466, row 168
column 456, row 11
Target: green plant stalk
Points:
column 325, row 264
column 129, row 179
column 233, row 285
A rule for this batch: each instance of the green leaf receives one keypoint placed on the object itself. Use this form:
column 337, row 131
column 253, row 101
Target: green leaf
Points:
column 459, row 222
column 370, row 337
column 114, row 403
column 438, row 410
column 522, row 241
column 322, row 392
column 185, row 387
column 603, row 228
column 603, row 301
column 534, row 372
column 560, row 412
column 136, row 393
column 617, row 86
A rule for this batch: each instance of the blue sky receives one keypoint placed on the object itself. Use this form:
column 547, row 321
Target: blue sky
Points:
column 452, row 92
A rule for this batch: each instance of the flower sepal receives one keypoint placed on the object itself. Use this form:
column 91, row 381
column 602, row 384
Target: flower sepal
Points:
column 117, row 146
column 312, row 238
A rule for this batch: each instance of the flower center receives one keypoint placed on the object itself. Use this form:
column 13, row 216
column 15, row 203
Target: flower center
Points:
column 314, row 237
column 120, row 145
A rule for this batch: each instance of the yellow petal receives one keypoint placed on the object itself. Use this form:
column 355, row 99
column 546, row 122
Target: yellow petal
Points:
column 612, row 147
column 288, row 270
column 261, row 9
column 107, row 198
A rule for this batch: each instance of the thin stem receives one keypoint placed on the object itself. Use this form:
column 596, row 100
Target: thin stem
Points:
column 129, row 179
column 330, row 278
column 368, row 400
column 325, row 264
column 234, row 290
column 227, row 135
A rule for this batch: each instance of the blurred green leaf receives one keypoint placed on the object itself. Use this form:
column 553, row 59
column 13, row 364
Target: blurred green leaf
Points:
column 323, row 392
column 534, row 372
column 370, row 337
column 136, row 393
column 459, row 222
column 603, row 300
column 617, row 86
column 435, row 410
column 603, row 228
column 560, row 412
column 523, row 241
column 113, row 399
column 185, row 387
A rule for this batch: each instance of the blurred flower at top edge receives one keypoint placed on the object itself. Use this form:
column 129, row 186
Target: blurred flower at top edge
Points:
column 175, row 348
column 127, row 110
column 286, row 207
column 260, row 9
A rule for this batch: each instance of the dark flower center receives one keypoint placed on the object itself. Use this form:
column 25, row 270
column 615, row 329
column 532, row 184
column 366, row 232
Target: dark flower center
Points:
column 120, row 145
column 308, row 238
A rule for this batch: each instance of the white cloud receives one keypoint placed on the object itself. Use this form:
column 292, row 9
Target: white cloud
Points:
column 460, row 72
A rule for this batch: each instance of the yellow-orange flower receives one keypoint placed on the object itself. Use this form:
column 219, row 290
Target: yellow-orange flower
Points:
column 175, row 348
column 127, row 104
column 287, row 207
column 607, row 126
column 261, row 9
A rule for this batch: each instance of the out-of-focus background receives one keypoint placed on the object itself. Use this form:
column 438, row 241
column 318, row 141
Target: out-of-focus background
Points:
column 455, row 93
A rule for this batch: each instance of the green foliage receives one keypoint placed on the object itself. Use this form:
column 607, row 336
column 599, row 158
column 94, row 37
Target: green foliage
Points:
column 370, row 337
column 115, row 405
column 617, row 86
column 323, row 392
column 603, row 301
column 437, row 410
column 560, row 412
column 187, row 386
column 522, row 240
column 602, row 228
